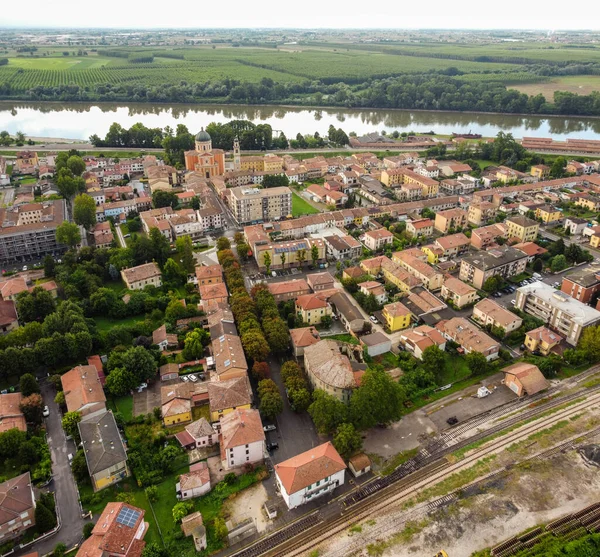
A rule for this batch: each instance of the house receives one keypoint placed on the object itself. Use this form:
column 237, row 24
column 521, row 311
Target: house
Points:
column 164, row 340
column 540, row 171
column 192, row 525
column 413, row 261
column 542, row 340
column 288, row 289
column 422, row 302
column 377, row 239
column 581, row 285
column 168, row 372
column 524, row 379
column 359, row 464
column 375, row 288
column 482, row 212
column 522, row 228
column 83, row 391
column 453, row 245
column 486, row 236
column 419, row 228
column 196, row 435
column 137, row 278
column 10, row 412
column 8, row 316
column 470, row 338
column 320, row 281
column 229, row 359
column 10, row 289
column 242, row 439
column 433, row 253
column 104, row 450
column 194, row 483
column 450, row 168
column 450, row 219
column 575, row 225
column 209, row 274
column 303, row 337
column 531, row 250
column 348, row 312
column 350, row 273
column 329, row 368
column 417, row 340
column 309, row 475
column 397, row 316
column 458, row 292
column 504, row 261
column 226, row 396
column 548, row 214
column 119, row 532
column 376, row 343
column 213, row 293
column 176, row 404
column 342, row 247
column 489, row 312
column 312, row 308
column 17, row 506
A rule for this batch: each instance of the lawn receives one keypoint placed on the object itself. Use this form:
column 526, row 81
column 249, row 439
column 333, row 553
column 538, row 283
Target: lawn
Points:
column 301, row 206
column 201, row 412
column 344, row 338
column 116, row 285
column 104, row 324
column 456, row 370
column 123, row 405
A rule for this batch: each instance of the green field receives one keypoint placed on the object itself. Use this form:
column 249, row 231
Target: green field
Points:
column 104, row 324
column 301, row 206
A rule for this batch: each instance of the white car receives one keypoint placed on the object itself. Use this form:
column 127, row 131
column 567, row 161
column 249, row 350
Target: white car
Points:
column 513, row 302
column 25, row 267
column 185, row 378
column 193, row 378
column 142, row 387
column 46, row 412
column 373, row 318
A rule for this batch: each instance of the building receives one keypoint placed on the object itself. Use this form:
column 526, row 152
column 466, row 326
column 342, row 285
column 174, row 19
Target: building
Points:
column 10, row 412
column 581, row 285
column 28, row 231
column 320, row 281
column 397, row 316
column 489, row 312
column 310, row 475
column 83, row 391
column 413, row 261
column 10, row 289
column 343, row 247
column 17, row 506
column 252, row 205
column 503, row 261
column 376, row 240
column 209, row 274
column 303, row 337
column 288, row 289
column 419, row 228
column 562, row 313
column 450, row 219
column 524, row 379
column 376, row 343
column 119, row 532
column 374, row 288
column 348, row 312
column 9, row 320
column 486, row 236
column 229, row 359
column 458, row 292
column 450, row 168
column 575, row 226
column 531, row 250
column 540, row 171
column 329, row 368
column 104, row 450
column 137, row 278
column 227, row 396
column 197, row 435
column 359, row 464
column 26, row 162
column 242, row 439
column 194, row 483
column 470, row 338
column 522, row 228
column 312, row 308
column 164, row 340
column 192, row 525
column 204, row 159
column 542, row 340
column 453, row 245
column 213, row 294
column 417, row 340
column 176, row 404
column 482, row 212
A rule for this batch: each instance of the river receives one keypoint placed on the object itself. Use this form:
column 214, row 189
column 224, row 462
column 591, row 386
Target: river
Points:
column 79, row 121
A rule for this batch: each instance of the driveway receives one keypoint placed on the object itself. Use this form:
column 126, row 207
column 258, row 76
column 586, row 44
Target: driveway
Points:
column 146, row 401
column 296, row 432
column 63, row 484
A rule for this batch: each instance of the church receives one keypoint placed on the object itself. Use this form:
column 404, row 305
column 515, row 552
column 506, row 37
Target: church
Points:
column 204, row 159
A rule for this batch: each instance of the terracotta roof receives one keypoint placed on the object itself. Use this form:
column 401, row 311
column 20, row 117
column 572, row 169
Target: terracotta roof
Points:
column 530, row 376
column 82, row 386
column 10, row 413
column 305, row 336
column 325, row 360
column 530, row 248
column 379, row 234
column 12, row 287
column 458, row 286
column 212, row 291
column 8, row 312
column 229, row 394
column 466, row 334
column 317, row 279
column 453, row 241
column 288, row 286
column 360, row 461
column 422, row 223
column 160, row 335
column 192, row 524
column 209, row 271
column 545, row 335
column 396, row 309
column 200, row 428
column 423, row 337
column 141, row 272
column 499, row 314
column 311, row 301
column 307, row 468
column 16, row 496
column 241, row 427
column 228, row 354
column 198, row 476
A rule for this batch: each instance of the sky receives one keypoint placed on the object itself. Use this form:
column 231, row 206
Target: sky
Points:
column 436, row 14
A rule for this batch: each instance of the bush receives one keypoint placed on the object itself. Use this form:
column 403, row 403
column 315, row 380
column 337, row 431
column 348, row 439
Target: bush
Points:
column 229, row 478
column 152, row 493
column 87, row 529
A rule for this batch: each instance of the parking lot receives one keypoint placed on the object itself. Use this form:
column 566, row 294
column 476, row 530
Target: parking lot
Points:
column 146, row 401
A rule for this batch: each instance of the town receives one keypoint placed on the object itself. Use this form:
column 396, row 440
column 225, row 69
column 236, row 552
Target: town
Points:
column 197, row 357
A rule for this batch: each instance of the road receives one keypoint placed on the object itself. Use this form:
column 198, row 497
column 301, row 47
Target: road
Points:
column 63, row 484
column 120, row 237
column 568, row 241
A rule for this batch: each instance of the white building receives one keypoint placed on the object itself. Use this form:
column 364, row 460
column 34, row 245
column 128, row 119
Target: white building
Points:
column 242, row 438
column 195, row 483
column 309, row 475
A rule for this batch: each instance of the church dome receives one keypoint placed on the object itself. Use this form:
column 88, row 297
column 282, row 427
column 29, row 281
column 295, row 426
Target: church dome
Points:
column 202, row 136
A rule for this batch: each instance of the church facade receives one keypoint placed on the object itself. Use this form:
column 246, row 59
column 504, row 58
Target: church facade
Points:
column 204, row 159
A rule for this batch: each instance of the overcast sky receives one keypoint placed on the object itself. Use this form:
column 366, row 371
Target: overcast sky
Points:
column 442, row 14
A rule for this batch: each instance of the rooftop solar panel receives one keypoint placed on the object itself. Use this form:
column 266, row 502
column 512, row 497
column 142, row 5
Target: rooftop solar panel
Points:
column 128, row 517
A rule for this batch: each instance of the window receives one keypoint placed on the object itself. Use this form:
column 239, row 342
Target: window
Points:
column 247, row 458
column 247, row 451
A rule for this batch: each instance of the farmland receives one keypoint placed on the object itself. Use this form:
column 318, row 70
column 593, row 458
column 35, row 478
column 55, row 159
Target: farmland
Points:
column 579, row 84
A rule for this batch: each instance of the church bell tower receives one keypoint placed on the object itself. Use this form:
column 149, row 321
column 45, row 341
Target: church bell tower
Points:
column 237, row 161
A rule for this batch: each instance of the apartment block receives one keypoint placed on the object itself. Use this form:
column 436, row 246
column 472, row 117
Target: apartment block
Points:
column 250, row 205
column 451, row 218
column 503, row 261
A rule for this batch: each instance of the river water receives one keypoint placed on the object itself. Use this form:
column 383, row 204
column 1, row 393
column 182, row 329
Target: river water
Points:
column 79, row 121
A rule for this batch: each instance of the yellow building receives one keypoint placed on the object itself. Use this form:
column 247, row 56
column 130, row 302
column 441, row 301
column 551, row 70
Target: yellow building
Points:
column 312, row 308
column 540, row 171
column 590, row 203
column 595, row 240
column 226, row 396
column 433, row 253
column 523, row 228
column 291, row 250
column 397, row 316
column 542, row 339
column 450, row 218
column 268, row 163
column 458, row 292
column 176, row 404
column 548, row 214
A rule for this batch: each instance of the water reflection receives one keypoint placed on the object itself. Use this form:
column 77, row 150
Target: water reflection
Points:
column 63, row 120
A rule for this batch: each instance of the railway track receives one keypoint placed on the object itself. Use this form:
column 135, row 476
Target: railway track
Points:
column 360, row 505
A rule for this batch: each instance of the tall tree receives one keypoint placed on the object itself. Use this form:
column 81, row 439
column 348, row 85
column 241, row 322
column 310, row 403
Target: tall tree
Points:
column 314, row 254
column 267, row 262
column 84, row 211
column 347, row 440
column 185, row 253
column 68, row 233
column 327, row 412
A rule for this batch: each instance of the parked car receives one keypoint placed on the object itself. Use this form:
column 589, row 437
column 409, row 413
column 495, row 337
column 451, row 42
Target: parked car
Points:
column 46, row 412
column 70, row 458
column 273, row 446
column 452, row 420
column 185, row 378
column 557, row 285
column 497, row 295
column 270, row 427
column 373, row 318
column 513, row 302
column 193, row 378
column 24, row 267
column 142, row 387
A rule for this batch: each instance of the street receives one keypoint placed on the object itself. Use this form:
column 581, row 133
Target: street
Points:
column 63, row 484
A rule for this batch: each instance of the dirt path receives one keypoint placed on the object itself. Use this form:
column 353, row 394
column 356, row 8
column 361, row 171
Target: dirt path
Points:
column 248, row 503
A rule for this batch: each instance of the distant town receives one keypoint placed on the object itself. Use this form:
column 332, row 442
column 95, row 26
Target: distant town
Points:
column 287, row 353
